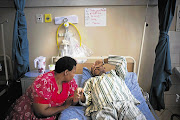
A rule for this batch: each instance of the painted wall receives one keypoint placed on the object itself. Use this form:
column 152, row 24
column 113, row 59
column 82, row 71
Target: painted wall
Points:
column 121, row 36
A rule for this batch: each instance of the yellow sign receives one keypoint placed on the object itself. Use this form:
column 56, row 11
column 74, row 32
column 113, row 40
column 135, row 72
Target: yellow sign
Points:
column 48, row 18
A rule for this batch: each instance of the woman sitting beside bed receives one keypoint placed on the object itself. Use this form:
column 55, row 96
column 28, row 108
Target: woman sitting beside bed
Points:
column 106, row 96
column 49, row 94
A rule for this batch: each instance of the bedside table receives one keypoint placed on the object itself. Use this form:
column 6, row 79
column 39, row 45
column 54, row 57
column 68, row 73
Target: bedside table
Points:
column 29, row 78
column 26, row 82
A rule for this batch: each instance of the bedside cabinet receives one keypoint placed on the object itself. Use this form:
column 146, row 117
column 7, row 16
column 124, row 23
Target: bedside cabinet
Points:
column 26, row 82
column 29, row 78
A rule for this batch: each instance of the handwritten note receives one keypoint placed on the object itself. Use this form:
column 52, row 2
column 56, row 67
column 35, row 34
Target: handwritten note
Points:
column 95, row 16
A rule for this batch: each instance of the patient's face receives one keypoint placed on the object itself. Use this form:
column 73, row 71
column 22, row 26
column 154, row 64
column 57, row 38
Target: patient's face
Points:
column 97, row 69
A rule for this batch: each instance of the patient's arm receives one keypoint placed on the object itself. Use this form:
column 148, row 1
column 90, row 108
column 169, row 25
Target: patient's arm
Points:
column 121, row 65
column 86, row 97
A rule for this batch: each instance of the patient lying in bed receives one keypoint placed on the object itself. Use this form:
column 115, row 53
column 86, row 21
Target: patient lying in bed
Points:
column 106, row 96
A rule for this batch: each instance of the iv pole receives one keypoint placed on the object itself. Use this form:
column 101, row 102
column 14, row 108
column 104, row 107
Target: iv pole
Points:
column 4, row 52
column 142, row 42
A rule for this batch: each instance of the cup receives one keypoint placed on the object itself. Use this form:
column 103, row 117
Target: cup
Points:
column 51, row 67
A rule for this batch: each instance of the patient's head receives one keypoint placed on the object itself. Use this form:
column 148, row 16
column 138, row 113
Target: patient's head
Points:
column 98, row 68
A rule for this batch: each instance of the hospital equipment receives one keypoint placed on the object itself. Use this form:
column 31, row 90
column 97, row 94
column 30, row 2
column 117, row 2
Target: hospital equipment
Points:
column 70, row 46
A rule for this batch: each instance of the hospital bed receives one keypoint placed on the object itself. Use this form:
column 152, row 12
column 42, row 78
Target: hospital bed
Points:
column 83, row 73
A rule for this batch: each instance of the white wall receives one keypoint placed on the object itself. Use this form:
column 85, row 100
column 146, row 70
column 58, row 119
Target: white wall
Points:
column 122, row 35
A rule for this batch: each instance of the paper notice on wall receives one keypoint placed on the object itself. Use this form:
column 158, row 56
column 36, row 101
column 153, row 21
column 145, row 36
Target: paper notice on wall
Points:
column 95, row 16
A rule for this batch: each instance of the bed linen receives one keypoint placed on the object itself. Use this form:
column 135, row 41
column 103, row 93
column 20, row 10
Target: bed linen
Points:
column 77, row 112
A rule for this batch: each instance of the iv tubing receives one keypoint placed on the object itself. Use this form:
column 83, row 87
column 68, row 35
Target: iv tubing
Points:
column 58, row 32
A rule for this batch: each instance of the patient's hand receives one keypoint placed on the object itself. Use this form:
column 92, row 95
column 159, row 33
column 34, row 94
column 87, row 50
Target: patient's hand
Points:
column 98, row 69
column 78, row 93
column 98, row 63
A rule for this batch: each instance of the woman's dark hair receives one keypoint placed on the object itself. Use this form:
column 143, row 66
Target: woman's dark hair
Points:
column 65, row 63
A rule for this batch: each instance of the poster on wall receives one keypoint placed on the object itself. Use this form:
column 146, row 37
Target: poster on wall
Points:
column 95, row 16
column 178, row 19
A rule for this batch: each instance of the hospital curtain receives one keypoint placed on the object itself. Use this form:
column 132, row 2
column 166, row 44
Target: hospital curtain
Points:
column 20, row 45
column 161, row 81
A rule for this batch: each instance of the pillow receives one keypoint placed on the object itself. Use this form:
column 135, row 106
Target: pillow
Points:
column 85, row 76
column 78, row 78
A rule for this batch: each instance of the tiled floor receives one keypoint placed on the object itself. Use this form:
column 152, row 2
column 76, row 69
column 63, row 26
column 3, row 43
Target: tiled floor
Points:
column 168, row 112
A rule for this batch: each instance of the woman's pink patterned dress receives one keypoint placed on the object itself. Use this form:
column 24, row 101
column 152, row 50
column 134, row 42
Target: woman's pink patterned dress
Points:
column 43, row 90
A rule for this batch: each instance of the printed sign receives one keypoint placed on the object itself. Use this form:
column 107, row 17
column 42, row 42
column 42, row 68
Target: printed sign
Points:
column 95, row 16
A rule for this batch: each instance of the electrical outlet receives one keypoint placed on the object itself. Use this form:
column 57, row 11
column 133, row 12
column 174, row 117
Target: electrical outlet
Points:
column 48, row 18
column 39, row 18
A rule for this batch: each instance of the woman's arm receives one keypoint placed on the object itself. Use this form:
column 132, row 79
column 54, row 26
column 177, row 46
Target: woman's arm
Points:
column 44, row 110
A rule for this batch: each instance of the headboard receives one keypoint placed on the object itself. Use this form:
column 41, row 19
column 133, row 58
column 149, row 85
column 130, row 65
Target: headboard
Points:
column 131, row 66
